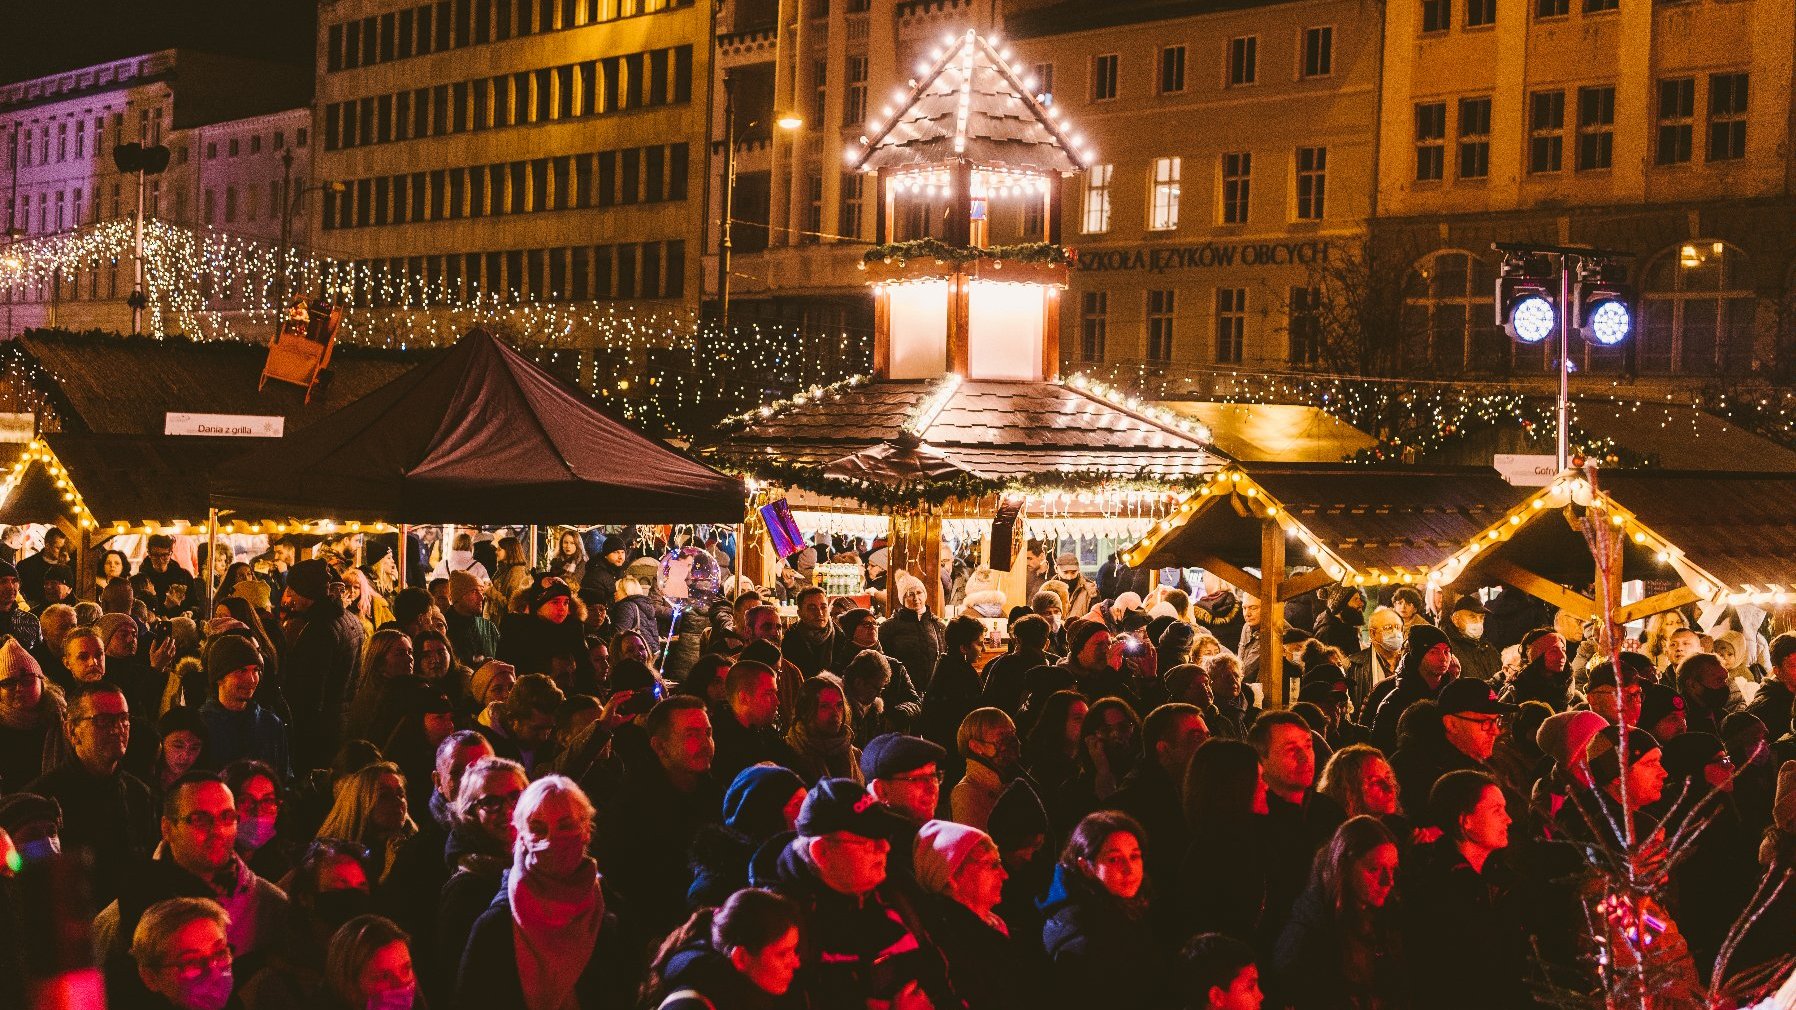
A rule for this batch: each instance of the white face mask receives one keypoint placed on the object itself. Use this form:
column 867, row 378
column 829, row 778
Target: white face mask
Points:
column 1392, row 640
column 1474, row 630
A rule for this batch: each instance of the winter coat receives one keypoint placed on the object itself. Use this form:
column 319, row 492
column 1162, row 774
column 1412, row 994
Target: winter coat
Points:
column 688, row 642
column 530, row 643
column 1309, row 968
column 114, row 816
column 811, row 651
column 917, row 641
column 738, row 746
column 1478, row 659
column 637, row 614
column 641, row 839
column 476, row 865
column 254, row 732
column 1482, row 961
column 1419, row 764
column 990, row 968
column 1099, row 953
column 488, row 977
column 1004, row 680
column 599, row 586
column 1409, row 688
column 1537, row 683
column 698, row 969
column 1151, row 796
column 1224, row 883
column 322, row 658
column 953, row 692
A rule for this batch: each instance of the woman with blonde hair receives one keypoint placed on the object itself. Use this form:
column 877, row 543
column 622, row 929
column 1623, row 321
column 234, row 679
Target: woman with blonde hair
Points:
column 569, row 562
column 360, row 599
column 1659, row 629
column 370, row 810
column 544, row 942
column 512, row 575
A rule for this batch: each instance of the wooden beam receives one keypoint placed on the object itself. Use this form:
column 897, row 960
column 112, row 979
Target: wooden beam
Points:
column 1272, row 614
column 1236, row 577
column 1681, row 596
column 1050, row 333
column 1581, row 607
column 1313, row 579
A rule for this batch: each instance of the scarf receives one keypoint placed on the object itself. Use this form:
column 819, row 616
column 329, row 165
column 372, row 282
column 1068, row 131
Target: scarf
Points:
column 831, row 748
column 555, row 923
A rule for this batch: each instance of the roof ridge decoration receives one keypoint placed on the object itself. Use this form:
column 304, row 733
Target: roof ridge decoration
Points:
column 988, row 98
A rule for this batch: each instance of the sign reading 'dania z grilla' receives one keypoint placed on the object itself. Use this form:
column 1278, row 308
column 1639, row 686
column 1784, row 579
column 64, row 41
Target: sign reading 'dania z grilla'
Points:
column 1205, row 255
column 227, row 425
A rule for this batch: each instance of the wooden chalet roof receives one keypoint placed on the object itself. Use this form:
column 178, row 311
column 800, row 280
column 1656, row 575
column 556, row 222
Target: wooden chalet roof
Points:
column 1359, row 520
column 118, row 479
column 996, row 430
column 125, row 385
column 971, row 105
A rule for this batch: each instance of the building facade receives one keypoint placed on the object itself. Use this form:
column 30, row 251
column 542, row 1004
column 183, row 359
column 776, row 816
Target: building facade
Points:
column 1233, row 160
column 802, row 216
column 1658, row 129
column 58, row 175
column 523, row 150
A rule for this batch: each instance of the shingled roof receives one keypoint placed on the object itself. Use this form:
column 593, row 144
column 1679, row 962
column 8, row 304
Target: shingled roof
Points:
column 121, row 479
column 971, row 106
column 994, row 430
column 126, row 385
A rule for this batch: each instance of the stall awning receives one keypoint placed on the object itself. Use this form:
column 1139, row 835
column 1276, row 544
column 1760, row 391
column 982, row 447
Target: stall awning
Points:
column 477, row 435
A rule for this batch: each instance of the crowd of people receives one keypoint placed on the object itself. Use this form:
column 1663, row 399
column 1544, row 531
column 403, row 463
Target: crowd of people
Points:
column 553, row 787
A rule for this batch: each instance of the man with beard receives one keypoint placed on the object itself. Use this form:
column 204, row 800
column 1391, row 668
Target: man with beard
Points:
column 1546, row 677
column 810, row 644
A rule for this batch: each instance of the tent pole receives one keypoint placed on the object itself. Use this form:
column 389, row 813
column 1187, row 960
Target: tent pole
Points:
column 401, row 554
column 211, row 558
column 534, row 533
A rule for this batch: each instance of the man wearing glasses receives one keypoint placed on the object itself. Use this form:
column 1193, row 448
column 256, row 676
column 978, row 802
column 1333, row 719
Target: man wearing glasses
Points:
column 199, row 860
column 1471, row 721
column 104, row 808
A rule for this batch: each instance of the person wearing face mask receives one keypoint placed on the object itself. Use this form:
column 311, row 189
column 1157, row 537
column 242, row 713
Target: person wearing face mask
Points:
column 1341, row 947
column 1427, row 666
column 182, row 957
column 987, row 740
column 258, row 792
column 545, row 943
column 1081, row 592
column 478, row 851
column 327, row 888
column 35, row 825
column 1464, row 628
column 1377, row 662
column 369, row 967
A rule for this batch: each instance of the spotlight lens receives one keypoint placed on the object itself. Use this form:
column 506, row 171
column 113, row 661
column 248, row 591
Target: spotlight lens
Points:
column 1532, row 319
column 1609, row 323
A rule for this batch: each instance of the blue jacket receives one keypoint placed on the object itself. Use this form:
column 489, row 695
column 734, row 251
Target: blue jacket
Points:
column 254, row 732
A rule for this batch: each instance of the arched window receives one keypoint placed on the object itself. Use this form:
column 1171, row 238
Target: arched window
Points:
column 1447, row 316
column 1697, row 311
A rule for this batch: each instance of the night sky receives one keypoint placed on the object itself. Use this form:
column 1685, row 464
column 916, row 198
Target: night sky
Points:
column 46, row 36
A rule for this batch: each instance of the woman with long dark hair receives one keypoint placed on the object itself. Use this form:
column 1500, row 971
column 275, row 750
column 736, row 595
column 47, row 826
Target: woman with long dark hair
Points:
column 1341, row 950
column 1051, row 753
column 1223, row 879
column 822, row 735
column 743, row 954
column 1099, row 941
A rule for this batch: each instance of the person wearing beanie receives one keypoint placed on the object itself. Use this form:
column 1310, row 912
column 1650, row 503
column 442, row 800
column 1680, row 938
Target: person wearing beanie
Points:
column 1642, row 779
column 836, row 871
column 914, row 635
column 321, row 660
column 183, row 735
column 603, row 568
column 236, row 725
column 15, row 619
column 760, row 809
column 548, row 639
column 1428, row 665
column 35, row 825
column 1547, row 675
column 1081, row 592
column 963, row 877
column 474, row 638
column 1662, row 712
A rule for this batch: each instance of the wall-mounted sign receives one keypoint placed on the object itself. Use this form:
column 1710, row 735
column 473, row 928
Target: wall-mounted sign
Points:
column 225, row 425
column 1208, row 255
column 1525, row 470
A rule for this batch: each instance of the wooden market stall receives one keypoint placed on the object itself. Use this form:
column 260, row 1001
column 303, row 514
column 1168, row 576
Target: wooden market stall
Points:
column 1305, row 527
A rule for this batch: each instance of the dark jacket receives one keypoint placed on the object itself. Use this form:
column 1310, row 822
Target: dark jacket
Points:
column 643, row 835
column 738, row 746
column 1099, row 953
column 1224, row 883
column 475, row 639
column 1310, row 970
column 916, row 641
column 1772, row 706
column 599, row 586
column 254, row 732
column 856, row 949
column 113, row 816
column 1294, row 832
column 811, row 651
column 697, row 968
column 1004, row 680
column 1410, row 688
column 529, row 643
column 1537, row 683
column 476, row 864
column 1482, row 959
column 488, row 979
column 1478, row 659
column 322, row 658
column 637, row 613
column 953, row 692
column 1151, row 796
column 1419, row 764
column 989, row 968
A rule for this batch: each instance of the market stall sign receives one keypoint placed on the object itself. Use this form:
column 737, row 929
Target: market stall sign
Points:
column 226, row 425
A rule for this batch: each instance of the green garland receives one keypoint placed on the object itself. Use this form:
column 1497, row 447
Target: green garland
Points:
column 935, row 248
column 881, row 496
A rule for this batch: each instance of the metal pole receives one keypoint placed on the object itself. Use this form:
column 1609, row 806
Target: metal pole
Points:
column 729, row 203
column 1565, row 268
column 137, row 299
column 286, row 227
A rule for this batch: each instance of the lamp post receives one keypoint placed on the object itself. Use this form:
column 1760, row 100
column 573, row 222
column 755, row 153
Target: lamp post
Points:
column 290, row 200
column 1596, row 303
column 144, row 161
column 787, row 121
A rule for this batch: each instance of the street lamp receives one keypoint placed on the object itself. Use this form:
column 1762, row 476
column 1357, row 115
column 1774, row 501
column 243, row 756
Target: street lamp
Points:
column 144, row 161
column 289, row 206
column 788, row 121
column 1592, row 297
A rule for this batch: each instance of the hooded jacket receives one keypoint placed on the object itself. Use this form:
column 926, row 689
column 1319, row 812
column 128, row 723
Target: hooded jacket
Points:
column 323, row 657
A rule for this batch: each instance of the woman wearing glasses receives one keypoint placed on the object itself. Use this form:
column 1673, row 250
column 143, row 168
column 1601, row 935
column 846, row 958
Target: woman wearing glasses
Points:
column 183, row 957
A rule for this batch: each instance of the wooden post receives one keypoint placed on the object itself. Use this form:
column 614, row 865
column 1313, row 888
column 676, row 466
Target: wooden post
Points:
column 1272, row 614
column 211, row 557
column 960, row 217
column 403, row 554
column 931, row 557
column 1050, row 333
column 882, row 333
column 960, row 294
column 752, row 550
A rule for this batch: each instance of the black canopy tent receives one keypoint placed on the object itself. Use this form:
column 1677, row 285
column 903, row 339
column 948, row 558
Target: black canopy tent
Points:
column 479, row 435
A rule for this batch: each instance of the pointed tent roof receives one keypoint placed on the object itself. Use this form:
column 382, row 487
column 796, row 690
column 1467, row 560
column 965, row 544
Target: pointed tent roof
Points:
column 971, row 105
column 478, row 435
